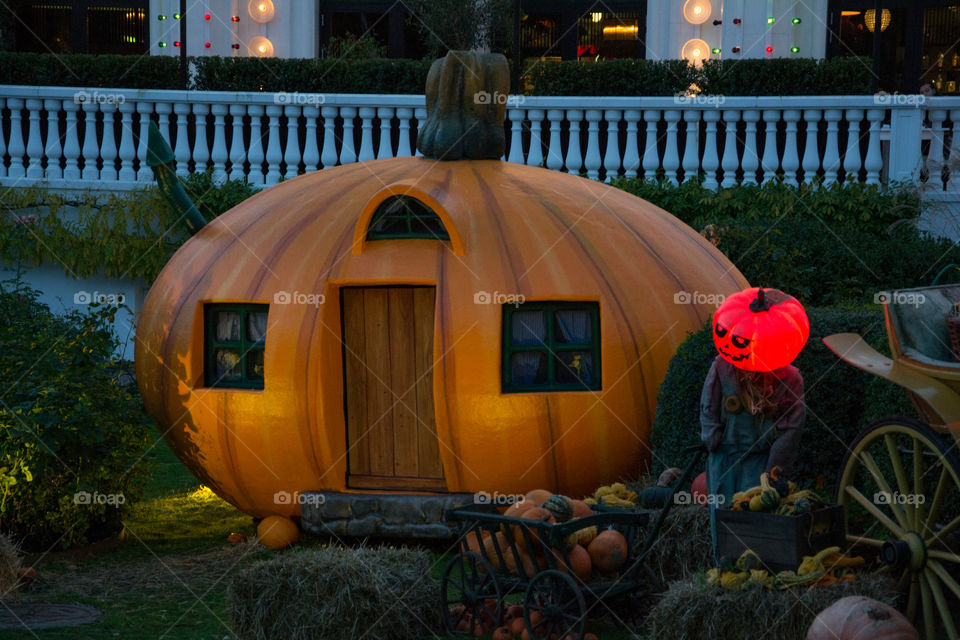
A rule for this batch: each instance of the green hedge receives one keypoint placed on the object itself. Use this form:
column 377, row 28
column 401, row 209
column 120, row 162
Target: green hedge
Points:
column 85, row 70
column 841, row 400
column 628, row 77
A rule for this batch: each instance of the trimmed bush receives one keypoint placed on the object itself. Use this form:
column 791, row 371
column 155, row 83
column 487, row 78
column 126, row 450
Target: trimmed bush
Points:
column 786, row 77
column 841, row 400
column 72, row 430
column 611, row 78
column 334, row 593
column 86, row 70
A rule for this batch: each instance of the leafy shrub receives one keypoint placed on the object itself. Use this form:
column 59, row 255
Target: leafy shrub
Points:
column 611, row 78
column 455, row 25
column 864, row 206
column 350, row 47
column 211, row 198
column 840, row 399
column 786, row 77
column 71, row 424
column 87, row 70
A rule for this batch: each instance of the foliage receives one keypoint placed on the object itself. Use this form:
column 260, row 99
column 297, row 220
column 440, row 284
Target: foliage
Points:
column 311, row 75
column 840, row 399
column 350, row 47
column 72, row 417
column 118, row 235
column 786, row 77
column 454, row 25
column 829, row 264
column 624, row 77
column 88, row 70
column 850, row 203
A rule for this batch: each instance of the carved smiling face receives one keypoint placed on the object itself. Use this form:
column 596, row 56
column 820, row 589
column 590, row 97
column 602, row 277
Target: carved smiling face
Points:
column 760, row 329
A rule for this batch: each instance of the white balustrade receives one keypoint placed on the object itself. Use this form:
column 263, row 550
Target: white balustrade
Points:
column 47, row 136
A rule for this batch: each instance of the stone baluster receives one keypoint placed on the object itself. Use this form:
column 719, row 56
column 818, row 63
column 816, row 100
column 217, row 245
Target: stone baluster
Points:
column 935, row 155
column 52, row 149
column 554, row 158
column 631, row 152
column 651, row 151
column 711, row 159
column 91, row 149
column 34, row 139
column 311, row 152
column 750, row 161
column 329, row 155
column 108, row 144
column 671, row 151
column 218, row 153
column 831, row 154
column 366, row 133
column 420, row 113
column 691, row 147
column 592, row 161
column 574, row 160
column 731, row 160
column 873, row 163
column 791, row 158
column 385, row 148
column 347, row 152
column 291, row 154
column 954, row 160
column 811, row 152
column 255, row 154
column 238, row 150
column 851, row 157
column 127, row 149
column 771, row 159
column 181, row 149
column 71, row 143
column 535, row 152
column 516, row 115
column 611, row 156
column 403, row 141
column 201, row 148
column 15, row 147
column 274, row 155
column 144, row 109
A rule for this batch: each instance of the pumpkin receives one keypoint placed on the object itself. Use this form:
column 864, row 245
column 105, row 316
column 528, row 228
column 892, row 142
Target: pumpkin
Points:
column 608, row 551
column 698, row 489
column 580, row 563
column 513, row 611
column 517, row 508
column 537, row 496
column 464, row 114
column 517, row 626
column 236, row 538
column 581, row 509
column 560, row 506
column 502, row 633
column 769, row 497
column 512, row 227
column 760, row 329
column 277, row 532
column 536, row 514
column 860, row 618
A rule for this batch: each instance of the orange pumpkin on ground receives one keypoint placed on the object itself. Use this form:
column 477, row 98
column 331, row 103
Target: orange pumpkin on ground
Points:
column 502, row 633
column 608, row 551
column 517, row 626
column 277, row 532
column 859, row 617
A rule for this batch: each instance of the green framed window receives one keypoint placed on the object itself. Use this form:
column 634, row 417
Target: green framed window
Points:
column 551, row 346
column 234, row 340
column 400, row 217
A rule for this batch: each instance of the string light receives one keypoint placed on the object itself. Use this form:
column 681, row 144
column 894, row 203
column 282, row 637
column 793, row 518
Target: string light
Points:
column 206, row 44
column 797, row 21
column 794, row 49
column 235, row 46
column 234, row 18
column 737, row 21
column 161, row 44
column 176, row 43
column 770, row 20
column 161, row 17
column 716, row 50
column 206, row 16
column 176, row 16
column 769, row 49
column 735, row 50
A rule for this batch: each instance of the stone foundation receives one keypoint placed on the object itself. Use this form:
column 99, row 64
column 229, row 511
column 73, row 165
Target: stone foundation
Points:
column 382, row 515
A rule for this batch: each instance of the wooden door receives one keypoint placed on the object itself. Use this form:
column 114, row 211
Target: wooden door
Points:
column 388, row 388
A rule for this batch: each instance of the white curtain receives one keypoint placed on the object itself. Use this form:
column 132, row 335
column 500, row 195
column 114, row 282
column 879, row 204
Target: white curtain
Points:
column 257, row 326
column 524, row 367
column 529, row 327
column 228, row 326
column 573, row 327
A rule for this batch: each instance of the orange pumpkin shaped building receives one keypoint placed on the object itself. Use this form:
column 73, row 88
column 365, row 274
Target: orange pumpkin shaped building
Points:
column 417, row 325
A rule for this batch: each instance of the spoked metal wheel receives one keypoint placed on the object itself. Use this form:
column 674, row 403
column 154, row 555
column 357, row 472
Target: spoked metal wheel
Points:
column 553, row 606
column 471, row 595
column 900, row 488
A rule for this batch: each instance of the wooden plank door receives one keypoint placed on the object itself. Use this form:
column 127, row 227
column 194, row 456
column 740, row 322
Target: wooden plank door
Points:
column 388, row 388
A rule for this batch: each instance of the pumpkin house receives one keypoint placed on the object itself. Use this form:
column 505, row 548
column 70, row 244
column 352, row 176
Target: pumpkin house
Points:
column 440, row 324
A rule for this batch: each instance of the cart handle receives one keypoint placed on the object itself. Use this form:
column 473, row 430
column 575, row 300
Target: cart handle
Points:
column 698, row 451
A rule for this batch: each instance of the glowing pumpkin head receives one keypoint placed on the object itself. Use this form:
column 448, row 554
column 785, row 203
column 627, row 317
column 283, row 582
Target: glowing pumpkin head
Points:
column 760, row 329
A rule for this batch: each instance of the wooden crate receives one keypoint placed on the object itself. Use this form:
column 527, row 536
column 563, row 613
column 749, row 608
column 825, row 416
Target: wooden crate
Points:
column 780, row 541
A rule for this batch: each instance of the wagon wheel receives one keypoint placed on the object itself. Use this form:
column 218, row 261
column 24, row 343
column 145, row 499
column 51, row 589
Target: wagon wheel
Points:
column 900, row 489
column 634, row 605
column 471, row 595
column 559, row 601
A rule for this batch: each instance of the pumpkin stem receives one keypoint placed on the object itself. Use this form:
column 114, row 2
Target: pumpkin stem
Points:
column 466, row 101
column 760, row 303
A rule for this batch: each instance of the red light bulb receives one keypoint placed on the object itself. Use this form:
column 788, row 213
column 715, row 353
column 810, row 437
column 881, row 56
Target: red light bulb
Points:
column 206, row 16
column 769, row 49
column 176, row 43
column 206, row 44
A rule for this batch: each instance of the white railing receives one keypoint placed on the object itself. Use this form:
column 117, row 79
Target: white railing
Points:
column 96, row 138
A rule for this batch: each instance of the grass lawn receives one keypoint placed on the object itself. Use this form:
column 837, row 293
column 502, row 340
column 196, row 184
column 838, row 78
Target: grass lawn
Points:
column 166, row 576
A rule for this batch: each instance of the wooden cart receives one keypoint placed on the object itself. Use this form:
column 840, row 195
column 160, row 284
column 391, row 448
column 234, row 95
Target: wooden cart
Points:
column 900, row 480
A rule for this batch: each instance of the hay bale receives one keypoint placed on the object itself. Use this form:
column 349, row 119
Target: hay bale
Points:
column 9, row 567
column 684, row 547
column 693, row 610
column 334, row 593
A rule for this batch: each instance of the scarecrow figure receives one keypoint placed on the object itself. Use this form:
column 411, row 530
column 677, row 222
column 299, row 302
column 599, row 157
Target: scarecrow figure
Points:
column 752, row 409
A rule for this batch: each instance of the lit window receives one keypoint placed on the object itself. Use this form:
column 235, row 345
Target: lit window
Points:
column 235, row 340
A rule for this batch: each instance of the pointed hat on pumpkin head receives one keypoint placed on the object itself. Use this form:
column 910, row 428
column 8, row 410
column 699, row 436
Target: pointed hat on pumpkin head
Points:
column 760, row 329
